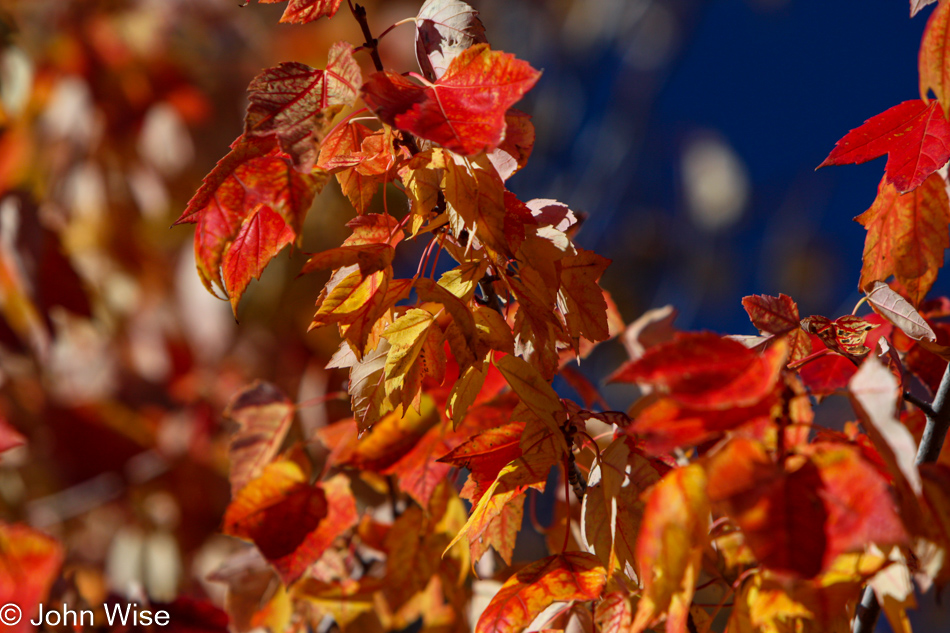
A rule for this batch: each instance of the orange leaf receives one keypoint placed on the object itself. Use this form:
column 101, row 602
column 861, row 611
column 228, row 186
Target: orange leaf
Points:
column 28, row 567
column 296, row 103
column 303, row 11
column 561, row 578
column 464, row 110
column 515, row 148
column 369, row 257
column 585, row 308
column 907, row 236
column 486, row 453
column 669, row 548
column 934, row 58
column 263, row 415
column 291, row 521
column 254, row 173
column 534, row 391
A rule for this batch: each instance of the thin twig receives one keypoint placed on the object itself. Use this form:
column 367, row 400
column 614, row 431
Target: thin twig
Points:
column 938, row 421
column 372, row 44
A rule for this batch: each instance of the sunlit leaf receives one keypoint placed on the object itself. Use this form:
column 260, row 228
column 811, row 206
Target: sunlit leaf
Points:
column 464, row 110
column 914, row 136
column 28, row 567
column 568, row 576
column 303, row 11
column 907, row 236
column 445, row 28
column 296, row 103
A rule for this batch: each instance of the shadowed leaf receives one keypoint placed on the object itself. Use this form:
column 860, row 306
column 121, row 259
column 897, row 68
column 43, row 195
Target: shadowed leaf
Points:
column 263, row 415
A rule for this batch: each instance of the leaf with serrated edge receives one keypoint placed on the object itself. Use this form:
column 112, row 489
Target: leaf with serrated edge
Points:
column 560, row 578
column 253, row 173
column 907, row 236
column 534, row 391
column 263, row 415
column 296, row 103
column 464, row 110
column 915, row 136
column 670, row 546
column 898, row 311
column 262, row 235
column 934, row 58
column 303, row 11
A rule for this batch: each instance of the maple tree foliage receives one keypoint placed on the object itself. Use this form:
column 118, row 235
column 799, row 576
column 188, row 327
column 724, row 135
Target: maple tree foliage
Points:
column 714, row 502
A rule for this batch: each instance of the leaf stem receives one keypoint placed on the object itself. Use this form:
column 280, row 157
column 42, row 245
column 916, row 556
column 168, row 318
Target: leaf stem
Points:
column 399, row 23
column 935, row 432
column 371, row 44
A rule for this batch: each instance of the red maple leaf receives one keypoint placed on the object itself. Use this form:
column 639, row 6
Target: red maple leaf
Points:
column 464, row 111
column 915, row 136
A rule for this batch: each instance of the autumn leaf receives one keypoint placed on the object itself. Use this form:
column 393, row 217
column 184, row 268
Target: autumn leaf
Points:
column 907, row 236
column 486, row 453
column 263, row 415
column 464, row 110
column 560, row 578
column 899, row 312
column 445, row 28
column 515, row 149
column 778, row 316
column 253, row 177
column 528, row 471
column 705, row 371
column 303, row 11
column 291, row 521
column 845, row 335
column 585, row 308
column 369, row 257
column 934, row 58
column 669, row 547
column 262, row 235
column 875, row 394
column 535, row 392
column 28, row 567
column 612, row 509
column 915, row 136
column 917, row 5
column 296, row 103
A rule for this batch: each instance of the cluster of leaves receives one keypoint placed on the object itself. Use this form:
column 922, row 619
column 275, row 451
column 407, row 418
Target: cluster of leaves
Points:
column 715, row 501
column 716, row 483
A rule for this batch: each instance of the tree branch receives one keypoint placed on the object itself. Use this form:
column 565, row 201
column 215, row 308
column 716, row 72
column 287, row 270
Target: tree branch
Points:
column 935, row 432
column 372, row 44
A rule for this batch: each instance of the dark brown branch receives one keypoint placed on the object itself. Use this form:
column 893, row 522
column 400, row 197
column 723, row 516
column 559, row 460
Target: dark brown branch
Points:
column 935, row 432
column 371, row 44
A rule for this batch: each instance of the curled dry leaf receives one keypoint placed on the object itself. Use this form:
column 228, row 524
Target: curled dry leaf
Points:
column 445, row 28
column 899, row 312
